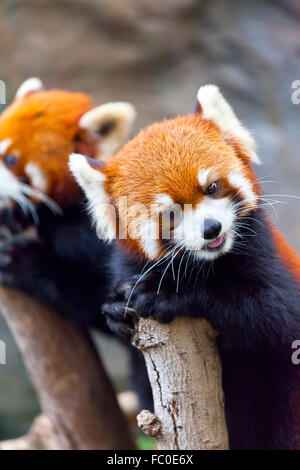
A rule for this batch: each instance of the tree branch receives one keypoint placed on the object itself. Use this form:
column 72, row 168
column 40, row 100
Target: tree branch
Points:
column 71, row 384
column 184, row 369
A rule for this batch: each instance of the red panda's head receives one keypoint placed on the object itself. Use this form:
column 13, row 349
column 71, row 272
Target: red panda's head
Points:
column 40, row 129
column 183, row 183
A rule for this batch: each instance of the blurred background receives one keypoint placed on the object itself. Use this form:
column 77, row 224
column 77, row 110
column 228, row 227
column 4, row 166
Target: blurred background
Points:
column 156, row 54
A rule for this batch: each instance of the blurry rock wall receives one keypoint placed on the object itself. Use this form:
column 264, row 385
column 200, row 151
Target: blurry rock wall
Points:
column 156, row 53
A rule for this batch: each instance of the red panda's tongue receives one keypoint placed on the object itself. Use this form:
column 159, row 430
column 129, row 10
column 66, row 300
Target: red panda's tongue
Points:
column 215, row 243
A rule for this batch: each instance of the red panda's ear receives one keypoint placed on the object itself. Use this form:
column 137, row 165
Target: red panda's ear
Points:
column 90, row 176
column 31, row 85
column 111, row 123
column 212, row 105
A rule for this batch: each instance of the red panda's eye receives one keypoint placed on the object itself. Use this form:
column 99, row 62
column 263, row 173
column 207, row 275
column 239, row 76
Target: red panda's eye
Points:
column 212, row 189
column 10, row 160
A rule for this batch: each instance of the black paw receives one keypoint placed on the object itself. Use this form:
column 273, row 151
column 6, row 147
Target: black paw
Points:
column 12, row 222
column 135, row 298
column 119, row 318
column 21, row 261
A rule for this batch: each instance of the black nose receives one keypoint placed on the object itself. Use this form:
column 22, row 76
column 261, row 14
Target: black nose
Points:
column 212, row 228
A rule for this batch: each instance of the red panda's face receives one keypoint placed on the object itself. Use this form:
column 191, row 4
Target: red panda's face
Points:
column 182, row 184
column 37, row 133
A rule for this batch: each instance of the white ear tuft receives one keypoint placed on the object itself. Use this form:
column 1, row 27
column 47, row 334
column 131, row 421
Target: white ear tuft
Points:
column 112, row 122
column 84, row 174
column 92, row 182
column 215, row 108
column 4, row 145
column 29, row 86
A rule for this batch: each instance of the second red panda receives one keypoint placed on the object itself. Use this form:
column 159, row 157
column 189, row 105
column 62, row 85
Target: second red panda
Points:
column 221, row 258
column 37, row 133
column 64, row 265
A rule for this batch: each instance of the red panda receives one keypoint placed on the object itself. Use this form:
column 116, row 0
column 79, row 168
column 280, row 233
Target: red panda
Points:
column 40, row 129
column 221, row 258
column 65, row 265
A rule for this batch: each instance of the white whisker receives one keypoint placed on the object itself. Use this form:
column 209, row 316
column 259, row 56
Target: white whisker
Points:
column 144, row 274
column 27, row 207
column 50, row 203
column 179, row 268
column 174, row 254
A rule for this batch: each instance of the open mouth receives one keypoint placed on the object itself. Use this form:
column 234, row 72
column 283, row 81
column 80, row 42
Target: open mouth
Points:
column 216, row 244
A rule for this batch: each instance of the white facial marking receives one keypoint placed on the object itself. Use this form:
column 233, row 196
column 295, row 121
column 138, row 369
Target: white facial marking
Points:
column 37, row 177
column 149, row 236
column 29, row 86
column 4, row 145
column 189, row 233
column 238, row 180
column 10, row 188
column 121, row 114
column 217, row 109
column 202, row 177
column 92, row 182
column 164, row 201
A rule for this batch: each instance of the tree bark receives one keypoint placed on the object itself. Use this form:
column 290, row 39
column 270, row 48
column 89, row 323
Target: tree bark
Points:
column 71, row 384
column 184, row 369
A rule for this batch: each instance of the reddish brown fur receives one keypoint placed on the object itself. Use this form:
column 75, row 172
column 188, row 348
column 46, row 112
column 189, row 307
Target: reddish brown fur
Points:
column 43, row 127
column 167, row 156
column 287, row 254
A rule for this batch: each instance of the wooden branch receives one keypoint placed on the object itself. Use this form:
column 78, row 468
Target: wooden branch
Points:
column 184, row 369
column 69, row 379
column 41, row 436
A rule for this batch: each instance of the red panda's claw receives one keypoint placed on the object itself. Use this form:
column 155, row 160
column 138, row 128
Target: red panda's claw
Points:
column 119, row 318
